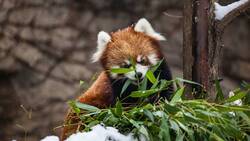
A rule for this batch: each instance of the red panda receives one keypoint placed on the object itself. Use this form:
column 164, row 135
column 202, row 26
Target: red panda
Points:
column 139, row 42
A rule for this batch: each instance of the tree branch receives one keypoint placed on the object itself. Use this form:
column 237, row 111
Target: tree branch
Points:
column 227, row 19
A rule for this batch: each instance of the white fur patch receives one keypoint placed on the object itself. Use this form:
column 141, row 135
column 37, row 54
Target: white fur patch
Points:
column 142, row 69
column 139, row 58
column 102, row 40
column 145, row 27
column 153, row 59
column 139, row 68
column 127, row 61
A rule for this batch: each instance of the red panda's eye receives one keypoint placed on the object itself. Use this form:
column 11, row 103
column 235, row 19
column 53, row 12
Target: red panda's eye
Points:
column 143, row 62
column 126, row 65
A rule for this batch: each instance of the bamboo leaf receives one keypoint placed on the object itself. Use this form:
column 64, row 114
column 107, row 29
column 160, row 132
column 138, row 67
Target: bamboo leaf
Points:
column 144, row 83
column 154, row 68
column 188, row 81
column 186, row 129
column 164, row 134
column 125, row 86
column 245, row 117
column 74, row 107
column 149, row 114
column 87, row 107
column 151, row 77
column 134, row 123
column 145, row 93
column 81, row 82
column 177, row 96
column 238, row 96
column 118, row 109
column 219, row 93
column 121, row 70
column 144, row 131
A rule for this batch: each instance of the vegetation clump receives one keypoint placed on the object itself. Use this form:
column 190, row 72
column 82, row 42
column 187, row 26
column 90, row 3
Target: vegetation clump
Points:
column 178, row 119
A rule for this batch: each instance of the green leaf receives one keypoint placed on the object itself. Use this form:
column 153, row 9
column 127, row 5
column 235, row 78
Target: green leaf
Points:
column 118, row 108
column 144, row 131
column 232, row 108
column 179, row 135
column 240, row 95
column 155, row 67
column 188, row 81
column 165, row 83
column 177, row 96
column 149, row 114
column 144, row 83
column 219, row 93
column 186, row 129
column 171, row 109
column 145, row 93
column 245, row 117
column 151, row 77
column 155, row 85
column 134, row 123
column 125, row 86
column 121, row 70
column 81, row 82
column 74, row 107
column 93, row 123
column 133, row 62
column 87, row 107
column 213, row 135
column 164, row 134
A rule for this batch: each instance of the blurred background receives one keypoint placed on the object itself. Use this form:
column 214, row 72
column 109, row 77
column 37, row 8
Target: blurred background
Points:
column 46, row 46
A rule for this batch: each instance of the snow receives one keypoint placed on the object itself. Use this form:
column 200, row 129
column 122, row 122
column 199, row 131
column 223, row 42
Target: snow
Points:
column 221, row 11
column 50, row 138
column 98, row 133
column 236, row 102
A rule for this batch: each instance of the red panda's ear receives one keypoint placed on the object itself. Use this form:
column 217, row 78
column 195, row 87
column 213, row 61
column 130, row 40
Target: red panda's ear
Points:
column 102, row 40
column 145, row 27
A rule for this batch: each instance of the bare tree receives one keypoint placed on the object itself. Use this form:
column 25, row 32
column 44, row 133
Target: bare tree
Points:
column 204, row 23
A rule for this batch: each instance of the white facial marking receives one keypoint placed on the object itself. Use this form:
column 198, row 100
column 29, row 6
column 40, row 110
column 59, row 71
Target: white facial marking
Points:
column 130, row 75
column 142, row 69
column 139, row 68
column 127, row 61
column 153, row 59
column 102, row 40
column 139, row 58
column 145, row 27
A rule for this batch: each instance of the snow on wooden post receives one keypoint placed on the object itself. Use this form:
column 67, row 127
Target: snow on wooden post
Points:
column 204, row 23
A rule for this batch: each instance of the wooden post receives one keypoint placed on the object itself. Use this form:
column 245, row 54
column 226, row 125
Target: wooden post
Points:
column 196, row 44
column 188, row 57
column 202, row 44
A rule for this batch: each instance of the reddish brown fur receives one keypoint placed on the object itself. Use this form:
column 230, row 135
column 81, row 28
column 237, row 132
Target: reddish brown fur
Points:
column 99, row 95
column 125, row 44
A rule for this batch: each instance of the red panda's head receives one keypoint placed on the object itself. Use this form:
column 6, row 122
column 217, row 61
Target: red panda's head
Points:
column 138, row 42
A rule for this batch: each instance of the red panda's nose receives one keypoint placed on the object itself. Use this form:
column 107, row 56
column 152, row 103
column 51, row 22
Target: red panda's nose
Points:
column 139, row 74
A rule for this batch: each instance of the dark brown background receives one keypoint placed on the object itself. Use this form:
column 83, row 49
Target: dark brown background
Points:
column 46, row 45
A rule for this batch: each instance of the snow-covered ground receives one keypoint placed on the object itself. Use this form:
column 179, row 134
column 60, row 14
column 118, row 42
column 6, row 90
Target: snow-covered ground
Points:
column 98, row 133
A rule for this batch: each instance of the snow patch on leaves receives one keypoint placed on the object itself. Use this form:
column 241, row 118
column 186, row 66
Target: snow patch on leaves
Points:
column 98, row 133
